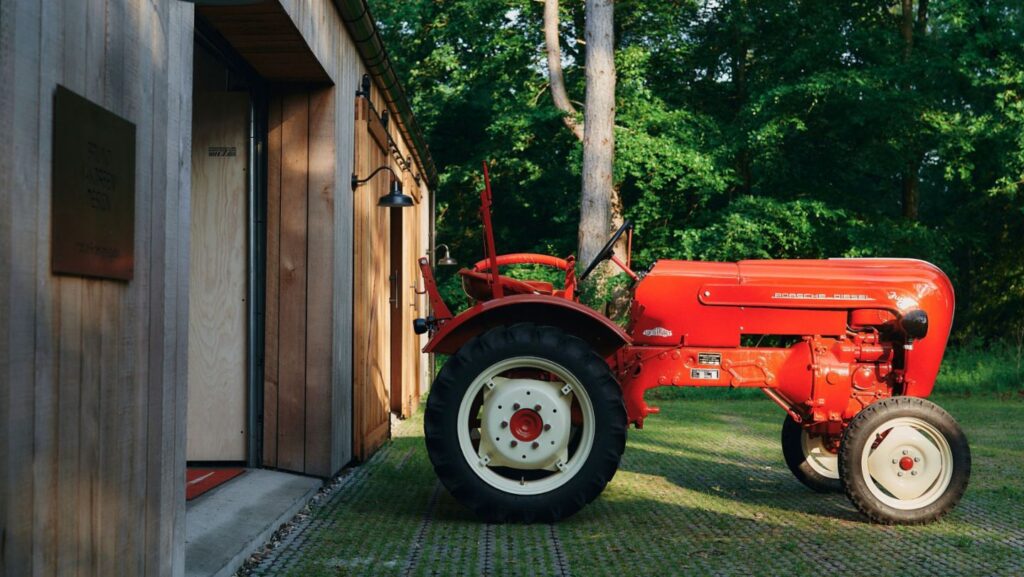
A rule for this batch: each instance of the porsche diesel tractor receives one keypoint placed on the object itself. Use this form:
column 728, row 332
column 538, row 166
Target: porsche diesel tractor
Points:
column 527, row 419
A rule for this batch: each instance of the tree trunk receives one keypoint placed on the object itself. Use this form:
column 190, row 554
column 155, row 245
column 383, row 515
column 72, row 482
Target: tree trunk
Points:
column 910, row 198
column 922, row 17
column 598, row 202
column 907, row 28
column 555, row 76
column 910, row 172
column 739, row 74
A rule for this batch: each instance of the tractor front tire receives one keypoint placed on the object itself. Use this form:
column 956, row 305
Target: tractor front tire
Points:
column 904, row 460
column 525, row 423
column 809, row 459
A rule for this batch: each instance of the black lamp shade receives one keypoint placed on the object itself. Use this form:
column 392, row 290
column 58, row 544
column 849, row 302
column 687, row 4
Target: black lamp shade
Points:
column 395, row 198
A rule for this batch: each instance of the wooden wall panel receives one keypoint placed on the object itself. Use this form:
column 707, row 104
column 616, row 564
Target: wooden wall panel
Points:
column 91, row 371
column 360, row 363
column 371, row 291
column 320, row 283
column 273, row 271
column 298, row 376
column 346, row 75
column 291, row 404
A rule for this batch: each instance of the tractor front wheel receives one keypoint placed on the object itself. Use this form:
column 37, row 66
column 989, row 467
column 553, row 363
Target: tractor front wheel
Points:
column 904, row 460
column 525, row 423
column 811, row 460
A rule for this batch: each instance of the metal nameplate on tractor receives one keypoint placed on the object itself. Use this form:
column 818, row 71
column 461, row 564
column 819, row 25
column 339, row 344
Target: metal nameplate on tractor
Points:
column 709, row 359
column 704, row 374
column 93, row 214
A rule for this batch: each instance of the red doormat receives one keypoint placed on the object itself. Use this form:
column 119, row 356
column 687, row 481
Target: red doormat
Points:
column 199, row 481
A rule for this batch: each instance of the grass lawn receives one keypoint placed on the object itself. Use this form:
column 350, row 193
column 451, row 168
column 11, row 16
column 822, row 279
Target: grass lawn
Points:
column 702, row 489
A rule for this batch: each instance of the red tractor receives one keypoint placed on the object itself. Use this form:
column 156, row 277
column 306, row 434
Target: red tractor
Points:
column 527, row 419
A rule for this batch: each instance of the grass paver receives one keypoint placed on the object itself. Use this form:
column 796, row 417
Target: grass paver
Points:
column 702, row 490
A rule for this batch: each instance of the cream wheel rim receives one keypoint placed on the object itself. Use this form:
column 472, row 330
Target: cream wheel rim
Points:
column 818, row 457
column 907, row 463
column 517, row 457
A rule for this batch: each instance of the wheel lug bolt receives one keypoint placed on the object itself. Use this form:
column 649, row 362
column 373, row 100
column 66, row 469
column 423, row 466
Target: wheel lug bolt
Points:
column 535, row 444
column 536, row 408
column 913, row 472
column 893, row 461
column 905, row 451
column 917, row 459
column 547, row 427
column 515, row 407
column 505, row 424
column 900, row 474
column 514, row 443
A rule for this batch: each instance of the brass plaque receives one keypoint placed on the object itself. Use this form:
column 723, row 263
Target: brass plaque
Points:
column 93, row 210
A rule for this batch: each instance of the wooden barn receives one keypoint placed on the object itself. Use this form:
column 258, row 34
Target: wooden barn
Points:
column 210, row 216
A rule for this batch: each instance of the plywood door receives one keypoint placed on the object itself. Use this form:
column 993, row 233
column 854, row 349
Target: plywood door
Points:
column 217, row 281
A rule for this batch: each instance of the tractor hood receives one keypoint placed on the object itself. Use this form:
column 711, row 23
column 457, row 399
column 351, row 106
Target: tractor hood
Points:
column 714, row 304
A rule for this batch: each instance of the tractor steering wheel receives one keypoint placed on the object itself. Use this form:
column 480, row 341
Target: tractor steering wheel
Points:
column 608, row 250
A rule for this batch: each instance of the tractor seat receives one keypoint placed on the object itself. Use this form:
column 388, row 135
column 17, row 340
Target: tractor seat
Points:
column 478, row 285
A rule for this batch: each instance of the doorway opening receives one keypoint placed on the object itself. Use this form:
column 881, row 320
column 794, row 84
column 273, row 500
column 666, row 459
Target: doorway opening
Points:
column 397, row 396
column 224, row 309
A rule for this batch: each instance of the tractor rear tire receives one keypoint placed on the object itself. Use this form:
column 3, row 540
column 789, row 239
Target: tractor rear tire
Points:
column 904, row 460
column 811, row 463
column 525, row 372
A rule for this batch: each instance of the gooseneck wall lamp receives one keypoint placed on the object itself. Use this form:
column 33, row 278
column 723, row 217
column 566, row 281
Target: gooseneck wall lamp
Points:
column 395, row 198
column 446, row 258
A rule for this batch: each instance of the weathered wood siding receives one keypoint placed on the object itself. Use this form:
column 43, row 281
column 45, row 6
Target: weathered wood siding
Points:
column 374, row 290
column 297, row 396
column 325, row 35
column 360, row 367
column 93, row 372
column 371, row 291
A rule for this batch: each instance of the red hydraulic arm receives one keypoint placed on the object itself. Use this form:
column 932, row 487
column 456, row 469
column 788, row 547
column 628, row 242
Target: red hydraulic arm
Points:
column 485, row 215
column 440, row 309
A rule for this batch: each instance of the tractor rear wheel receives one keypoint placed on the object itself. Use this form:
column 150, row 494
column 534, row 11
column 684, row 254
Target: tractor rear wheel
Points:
column 525, row 423
column 810, row 459
column 904, row 460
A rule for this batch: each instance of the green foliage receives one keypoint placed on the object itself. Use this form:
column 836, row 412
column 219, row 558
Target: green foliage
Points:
column 774, row 129
column 975, row 368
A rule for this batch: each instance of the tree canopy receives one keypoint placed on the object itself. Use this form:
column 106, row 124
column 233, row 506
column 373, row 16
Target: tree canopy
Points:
column 770, row 129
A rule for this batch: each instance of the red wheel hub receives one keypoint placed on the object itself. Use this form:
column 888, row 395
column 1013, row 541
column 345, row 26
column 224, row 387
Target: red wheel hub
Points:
column 906, row 463
column 526, row 424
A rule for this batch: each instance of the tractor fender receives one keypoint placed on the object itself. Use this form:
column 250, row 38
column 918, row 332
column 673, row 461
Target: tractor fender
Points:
column 575, row 319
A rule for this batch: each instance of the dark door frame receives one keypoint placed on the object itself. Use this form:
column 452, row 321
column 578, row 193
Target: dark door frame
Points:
column 396, row 301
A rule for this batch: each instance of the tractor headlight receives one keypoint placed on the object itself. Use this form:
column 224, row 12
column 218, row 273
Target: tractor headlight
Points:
column 915, row 324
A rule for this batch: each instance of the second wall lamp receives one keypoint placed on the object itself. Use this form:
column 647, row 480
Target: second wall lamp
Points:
column 446, row 259
column 395, row 198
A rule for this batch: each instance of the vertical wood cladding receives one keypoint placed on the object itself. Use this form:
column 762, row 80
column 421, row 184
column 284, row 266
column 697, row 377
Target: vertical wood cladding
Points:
column 92, row 372
column 300, row 281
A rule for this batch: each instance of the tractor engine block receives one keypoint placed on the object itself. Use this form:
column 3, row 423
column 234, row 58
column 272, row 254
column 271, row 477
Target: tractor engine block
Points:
column 847, row 374
column 822, row 382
